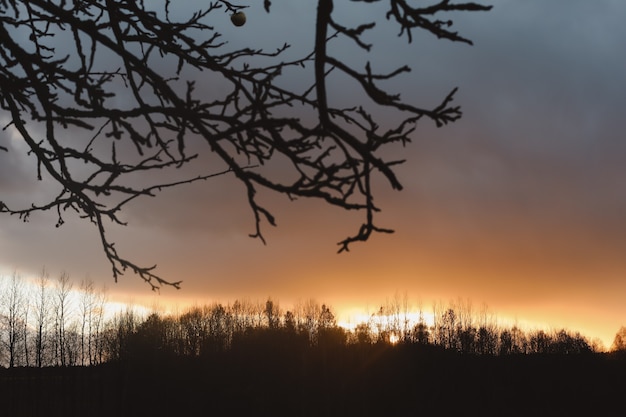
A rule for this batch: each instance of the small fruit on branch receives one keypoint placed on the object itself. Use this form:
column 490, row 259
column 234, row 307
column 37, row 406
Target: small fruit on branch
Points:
column 238, row 19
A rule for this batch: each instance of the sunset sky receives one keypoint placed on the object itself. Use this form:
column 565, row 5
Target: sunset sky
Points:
column 520, row 205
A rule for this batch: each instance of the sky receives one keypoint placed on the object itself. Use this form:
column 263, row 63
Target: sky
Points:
column 520, row 205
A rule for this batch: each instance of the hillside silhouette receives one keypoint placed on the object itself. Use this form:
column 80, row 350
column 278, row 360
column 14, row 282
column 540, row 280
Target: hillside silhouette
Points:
column 250, row 358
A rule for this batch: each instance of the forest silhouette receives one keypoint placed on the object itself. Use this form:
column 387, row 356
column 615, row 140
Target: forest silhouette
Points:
column 65, row 357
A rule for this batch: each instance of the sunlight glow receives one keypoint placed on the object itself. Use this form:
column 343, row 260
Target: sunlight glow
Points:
column 349, row 319
column 387, row 323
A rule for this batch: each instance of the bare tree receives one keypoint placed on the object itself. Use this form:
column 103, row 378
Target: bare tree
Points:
column 91, row 305
column 13, row 300
column 465, row 328
column 307, row 314
column 42, row 319
column 244, row 314
column 195, row 326
column 62, row 316
column 272, row 314
column 488, row 333
column 363, row 334
column 87, row 305
column 25, row 332
column 406, row 328
column 64, row 66
column 118, row 333
column 96, row 327
column 619, row 342
column 221, row 327
column 421, row 334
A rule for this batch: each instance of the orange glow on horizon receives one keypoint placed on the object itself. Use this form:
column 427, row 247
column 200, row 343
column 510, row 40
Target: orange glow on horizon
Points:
column 348, row 315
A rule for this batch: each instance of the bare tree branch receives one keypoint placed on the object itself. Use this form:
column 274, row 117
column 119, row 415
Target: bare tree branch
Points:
column 102, row 93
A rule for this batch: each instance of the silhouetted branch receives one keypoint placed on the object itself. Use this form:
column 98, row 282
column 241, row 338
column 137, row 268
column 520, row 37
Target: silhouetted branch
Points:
column 103, row 94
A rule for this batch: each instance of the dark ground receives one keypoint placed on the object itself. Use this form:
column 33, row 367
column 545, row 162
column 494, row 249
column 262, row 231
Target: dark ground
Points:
column 352, row 381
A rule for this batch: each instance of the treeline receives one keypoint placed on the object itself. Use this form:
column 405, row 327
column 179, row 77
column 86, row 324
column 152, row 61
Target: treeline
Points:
column 53, row 325
column 215, row 328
